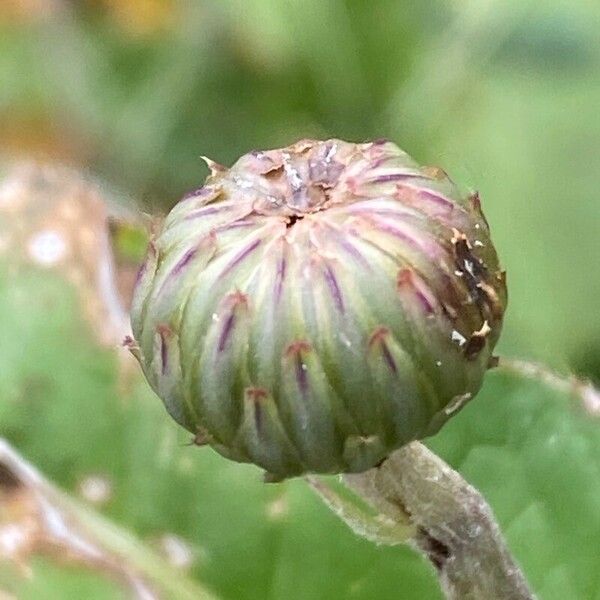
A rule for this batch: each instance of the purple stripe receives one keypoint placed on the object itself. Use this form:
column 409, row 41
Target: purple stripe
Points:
column 436, row 198
column 400, row 211
column 235, row 225
column 280, row 277
column 183, row 261
column 392, row 177
column 141, row 272
column 257, row 396
column 424, row 302
column 197, row 193
column 354, row 252
column 334, row 288
column 258, row 416
column 150, row 251
column 377, row 337
column 241, row 256
column 380, row 161
column 387, row 228
column 404, row 211
column 423, row 246
column 301, row 374
column 181, row 264
column 207, row 210
column 225, row 332
column 164, row 357
column 389, row 359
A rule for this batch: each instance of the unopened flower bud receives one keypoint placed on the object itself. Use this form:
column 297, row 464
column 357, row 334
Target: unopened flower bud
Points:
column 314, row 308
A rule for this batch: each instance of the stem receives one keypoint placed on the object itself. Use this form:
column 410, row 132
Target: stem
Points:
column 453, row 526
column 568, row 384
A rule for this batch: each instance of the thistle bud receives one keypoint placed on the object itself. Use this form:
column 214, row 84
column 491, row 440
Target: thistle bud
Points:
column 314, row 308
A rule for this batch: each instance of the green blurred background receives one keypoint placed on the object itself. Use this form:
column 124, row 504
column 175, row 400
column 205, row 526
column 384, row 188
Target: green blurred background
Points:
column 503, row 94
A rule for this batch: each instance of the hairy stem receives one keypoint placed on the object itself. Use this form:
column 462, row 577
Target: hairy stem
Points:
column 568, row 384
column 450, row 523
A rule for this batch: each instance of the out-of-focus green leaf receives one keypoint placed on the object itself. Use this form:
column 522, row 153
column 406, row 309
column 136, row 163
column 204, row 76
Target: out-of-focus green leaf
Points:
column 129, row 243
column 54, row 582
column 534, row 453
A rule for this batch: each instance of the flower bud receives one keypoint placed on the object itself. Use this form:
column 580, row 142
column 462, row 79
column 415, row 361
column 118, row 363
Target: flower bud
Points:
column 314, row 308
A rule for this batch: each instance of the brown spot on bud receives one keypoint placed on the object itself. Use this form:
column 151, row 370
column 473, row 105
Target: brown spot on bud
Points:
column 435, row 172
column 274, row 172
column 477, row 341
column 378, row 335
column 476, row 277
column 133, row 347
column 256, row 394
column 475, row 202
column 297, row 347
column 404, row 277
column 164, row 330
column 238, row 298
column 460, row 241
column 493, row 301
column 202, row 437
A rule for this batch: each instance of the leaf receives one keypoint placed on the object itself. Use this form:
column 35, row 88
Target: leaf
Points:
column 534, row 453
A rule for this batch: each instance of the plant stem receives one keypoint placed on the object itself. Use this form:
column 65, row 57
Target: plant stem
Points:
column 453, row 526
column 568, row 384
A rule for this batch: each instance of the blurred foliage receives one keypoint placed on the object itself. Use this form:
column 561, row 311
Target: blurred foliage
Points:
column 503, row 94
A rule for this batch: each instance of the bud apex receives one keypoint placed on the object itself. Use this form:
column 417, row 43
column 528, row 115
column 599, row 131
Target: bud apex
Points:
column 313, row 308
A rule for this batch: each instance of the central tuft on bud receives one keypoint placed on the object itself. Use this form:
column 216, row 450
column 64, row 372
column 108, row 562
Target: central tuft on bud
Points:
column 315, row 307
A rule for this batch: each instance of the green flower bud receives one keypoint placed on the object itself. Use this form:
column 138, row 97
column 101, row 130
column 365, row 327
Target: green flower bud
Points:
column 314, row 308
